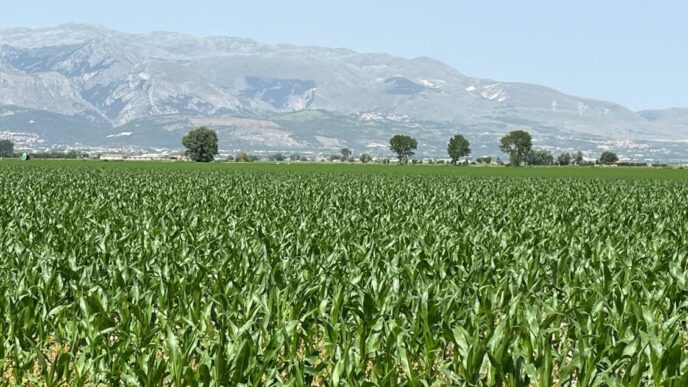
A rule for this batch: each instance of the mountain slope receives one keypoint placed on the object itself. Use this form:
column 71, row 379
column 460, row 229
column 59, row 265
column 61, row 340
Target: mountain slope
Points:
column 155, row 85
column 673, row 117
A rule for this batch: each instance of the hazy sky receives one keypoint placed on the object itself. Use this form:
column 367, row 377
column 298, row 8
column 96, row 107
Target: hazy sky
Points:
column 634, row 52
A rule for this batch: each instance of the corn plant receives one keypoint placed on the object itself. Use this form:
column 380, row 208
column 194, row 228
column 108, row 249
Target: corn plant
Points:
column 180, row 276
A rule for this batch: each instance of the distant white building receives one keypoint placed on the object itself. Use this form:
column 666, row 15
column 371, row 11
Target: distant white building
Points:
column 112, row 157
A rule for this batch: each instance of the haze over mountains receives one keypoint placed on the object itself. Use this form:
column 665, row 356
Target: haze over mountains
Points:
column 86, row 84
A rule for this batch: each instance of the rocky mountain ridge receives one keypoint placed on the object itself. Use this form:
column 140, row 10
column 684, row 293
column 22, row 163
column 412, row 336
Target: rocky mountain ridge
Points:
column 113, row 88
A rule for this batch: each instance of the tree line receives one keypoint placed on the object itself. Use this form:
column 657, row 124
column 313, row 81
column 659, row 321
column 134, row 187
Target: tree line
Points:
column 201, row 145
column 518, row 145
column 7, row 150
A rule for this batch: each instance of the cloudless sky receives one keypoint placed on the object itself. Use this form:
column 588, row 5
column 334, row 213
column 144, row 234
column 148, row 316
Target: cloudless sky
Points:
column 634, row 52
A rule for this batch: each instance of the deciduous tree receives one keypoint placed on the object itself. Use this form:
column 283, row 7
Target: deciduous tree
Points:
column 517, row 144
column 404, row 146
column 608, row 157
column 458, row 148
column 201, row 144
column 6, row 148
column 564, row 159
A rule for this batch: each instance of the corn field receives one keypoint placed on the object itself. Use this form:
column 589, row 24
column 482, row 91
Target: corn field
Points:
column 145, row 277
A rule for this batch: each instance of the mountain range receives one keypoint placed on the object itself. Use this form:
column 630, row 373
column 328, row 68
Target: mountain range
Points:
column 86, row 85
